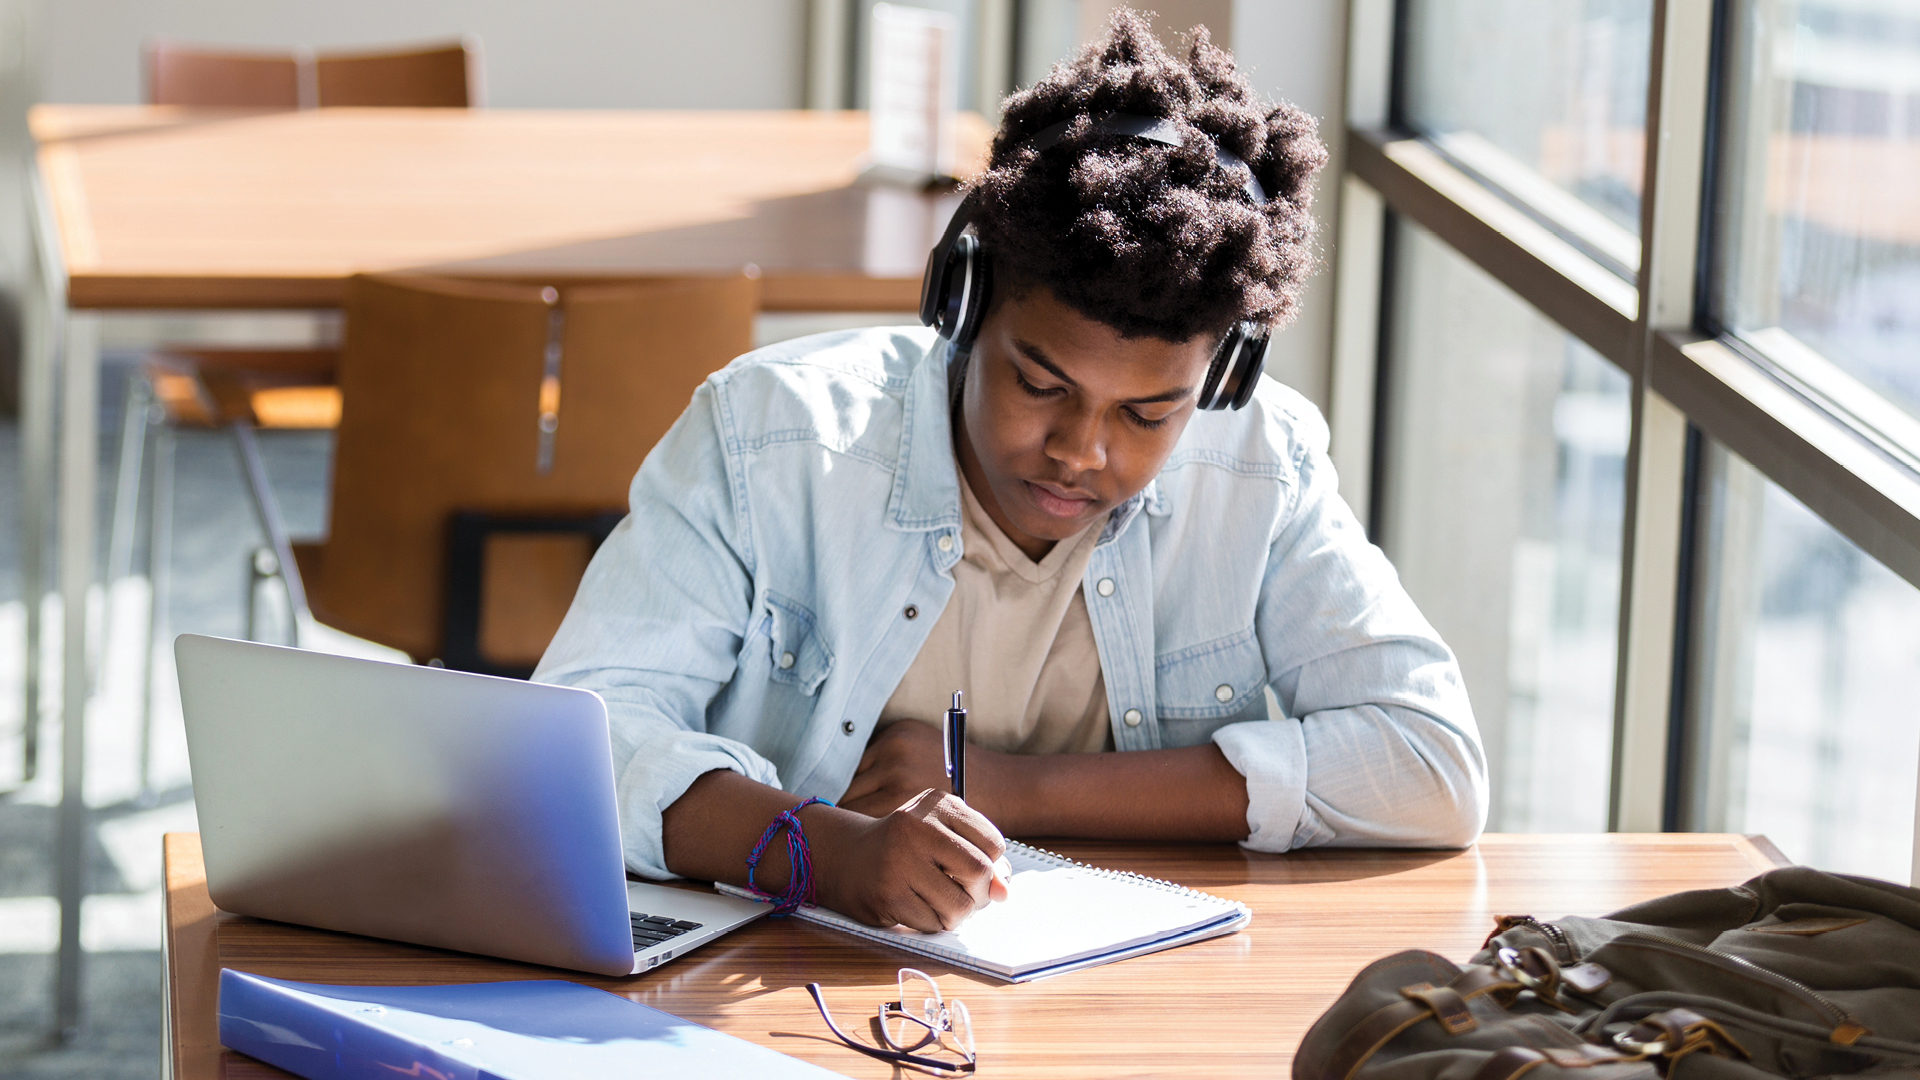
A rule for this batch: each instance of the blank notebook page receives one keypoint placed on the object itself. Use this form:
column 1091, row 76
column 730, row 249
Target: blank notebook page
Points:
column 1059, row 911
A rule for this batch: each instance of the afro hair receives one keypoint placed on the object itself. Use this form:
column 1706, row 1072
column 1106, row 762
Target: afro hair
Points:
column 1150, row 239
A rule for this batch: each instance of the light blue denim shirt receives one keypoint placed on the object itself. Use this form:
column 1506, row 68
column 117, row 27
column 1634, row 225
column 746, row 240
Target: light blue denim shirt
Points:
column 792, row 541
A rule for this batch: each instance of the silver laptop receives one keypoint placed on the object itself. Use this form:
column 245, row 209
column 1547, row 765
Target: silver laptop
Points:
column 423, row 805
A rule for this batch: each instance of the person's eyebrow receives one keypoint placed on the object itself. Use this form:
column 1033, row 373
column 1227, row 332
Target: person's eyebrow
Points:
column 1038, row 356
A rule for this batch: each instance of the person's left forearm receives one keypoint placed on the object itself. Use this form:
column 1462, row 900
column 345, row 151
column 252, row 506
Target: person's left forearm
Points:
column 1192, row 793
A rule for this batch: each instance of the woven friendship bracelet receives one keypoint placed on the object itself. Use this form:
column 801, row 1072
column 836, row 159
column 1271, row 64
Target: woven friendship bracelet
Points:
column 800, row 889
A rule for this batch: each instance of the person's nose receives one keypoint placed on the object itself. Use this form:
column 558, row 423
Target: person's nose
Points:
column 1078, row 441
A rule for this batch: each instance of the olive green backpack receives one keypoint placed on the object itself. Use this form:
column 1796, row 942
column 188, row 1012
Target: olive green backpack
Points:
column 1797, row 973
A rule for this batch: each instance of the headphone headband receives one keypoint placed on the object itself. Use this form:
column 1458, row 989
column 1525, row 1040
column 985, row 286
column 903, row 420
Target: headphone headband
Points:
column 959, row 275
column 1153, row 129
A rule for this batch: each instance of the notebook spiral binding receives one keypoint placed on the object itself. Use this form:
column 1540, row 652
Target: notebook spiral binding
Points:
column 1153, row 882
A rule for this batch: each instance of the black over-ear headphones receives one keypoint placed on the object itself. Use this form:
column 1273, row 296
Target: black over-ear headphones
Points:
column 959, row 277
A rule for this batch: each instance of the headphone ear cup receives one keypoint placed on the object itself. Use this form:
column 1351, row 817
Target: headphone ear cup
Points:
column 1210, row 386
column 1235, row 370
column 946, row 287
column 1246, row 376
column 976, row 289
column 933, row 285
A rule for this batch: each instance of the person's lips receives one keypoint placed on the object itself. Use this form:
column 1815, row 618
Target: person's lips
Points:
column 1057, row 501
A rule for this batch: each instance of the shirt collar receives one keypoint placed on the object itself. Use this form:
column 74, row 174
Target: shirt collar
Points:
column 926, row 490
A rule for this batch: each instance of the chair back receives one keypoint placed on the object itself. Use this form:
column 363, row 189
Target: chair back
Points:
column 214, row 79
column 438, row 77
column 463, row 397
column 427, row 77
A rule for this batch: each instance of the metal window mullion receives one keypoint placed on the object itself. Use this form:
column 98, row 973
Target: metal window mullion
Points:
column 829, row 54
column 1671, row 195
column 994, row 59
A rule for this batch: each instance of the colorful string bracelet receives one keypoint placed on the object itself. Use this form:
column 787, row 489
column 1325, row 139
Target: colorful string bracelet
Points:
column 800, row 887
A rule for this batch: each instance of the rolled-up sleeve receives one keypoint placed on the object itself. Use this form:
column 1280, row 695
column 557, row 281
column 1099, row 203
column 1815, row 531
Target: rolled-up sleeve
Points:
column 1377, row 744
column 656, row 628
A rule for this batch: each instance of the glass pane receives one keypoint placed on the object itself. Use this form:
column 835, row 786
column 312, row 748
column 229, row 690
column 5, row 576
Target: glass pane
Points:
column 1503, row 489
column 1545, row 99
column 1807, row 665
column 1818, row 219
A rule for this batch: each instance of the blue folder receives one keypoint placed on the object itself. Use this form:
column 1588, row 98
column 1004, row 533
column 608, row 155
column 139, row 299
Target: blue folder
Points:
column 540, row 1030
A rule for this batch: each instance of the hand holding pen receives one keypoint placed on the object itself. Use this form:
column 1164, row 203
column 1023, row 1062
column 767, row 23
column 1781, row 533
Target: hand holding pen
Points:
column 953, row 738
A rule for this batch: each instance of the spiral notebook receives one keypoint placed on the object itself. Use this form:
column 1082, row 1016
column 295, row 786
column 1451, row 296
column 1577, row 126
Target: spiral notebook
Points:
column 1061, row 916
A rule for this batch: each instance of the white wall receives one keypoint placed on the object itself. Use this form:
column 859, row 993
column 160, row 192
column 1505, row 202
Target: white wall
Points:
column 1295, row 50
column 727, row 54
column 1170, row 18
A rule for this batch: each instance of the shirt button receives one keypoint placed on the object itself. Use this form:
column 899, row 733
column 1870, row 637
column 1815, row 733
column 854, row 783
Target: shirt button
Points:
column 1132, row 717
column 1105, row 587
column 946, row 541
column 1223, row 693
column 786, row 660
column 911, row 612
column 846, row 726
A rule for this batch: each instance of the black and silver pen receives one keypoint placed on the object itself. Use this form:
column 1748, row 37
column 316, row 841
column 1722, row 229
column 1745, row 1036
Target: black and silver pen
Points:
column 954, row 732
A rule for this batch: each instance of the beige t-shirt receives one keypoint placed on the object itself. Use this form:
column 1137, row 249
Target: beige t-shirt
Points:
column 1015, row 637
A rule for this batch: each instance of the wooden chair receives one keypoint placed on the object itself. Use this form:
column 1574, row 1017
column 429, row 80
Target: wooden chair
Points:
column 441, row 76
column 247, row 389
column 505, row 421
column 183, row 75
column 427, row 77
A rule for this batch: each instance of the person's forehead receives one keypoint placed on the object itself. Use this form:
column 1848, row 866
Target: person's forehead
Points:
column 1052, row 336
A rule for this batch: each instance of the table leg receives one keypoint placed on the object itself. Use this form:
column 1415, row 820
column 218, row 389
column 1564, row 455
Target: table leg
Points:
column 45, row 318
column 79, row 472
column 68, row 351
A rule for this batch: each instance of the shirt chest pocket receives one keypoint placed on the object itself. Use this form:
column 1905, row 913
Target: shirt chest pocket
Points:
column 797, row 655
column 1219, row 678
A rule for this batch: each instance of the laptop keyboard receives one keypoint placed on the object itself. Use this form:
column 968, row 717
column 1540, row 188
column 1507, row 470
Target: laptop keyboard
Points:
column 651, row 930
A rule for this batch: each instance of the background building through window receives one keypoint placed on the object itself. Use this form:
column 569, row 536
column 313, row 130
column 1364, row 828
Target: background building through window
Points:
column 1807, row 665
column 1545, row 100
column 1819, row 206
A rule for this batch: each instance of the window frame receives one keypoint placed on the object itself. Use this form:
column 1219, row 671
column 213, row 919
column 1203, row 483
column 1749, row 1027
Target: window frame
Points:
column 1817, row 442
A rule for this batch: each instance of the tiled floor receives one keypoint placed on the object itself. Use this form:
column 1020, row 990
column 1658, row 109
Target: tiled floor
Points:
column 214, row 530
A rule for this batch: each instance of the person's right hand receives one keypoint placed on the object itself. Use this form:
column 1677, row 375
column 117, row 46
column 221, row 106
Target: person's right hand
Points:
column 927, row 865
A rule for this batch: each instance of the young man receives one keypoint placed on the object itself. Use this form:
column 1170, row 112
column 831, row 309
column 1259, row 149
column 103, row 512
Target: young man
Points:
column 843, row 530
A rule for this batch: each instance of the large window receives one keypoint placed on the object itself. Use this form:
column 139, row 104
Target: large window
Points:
column 1544, row 100
column 1807, row 663
column 1506, row 441
column 1646, row 438
column 1819, row 201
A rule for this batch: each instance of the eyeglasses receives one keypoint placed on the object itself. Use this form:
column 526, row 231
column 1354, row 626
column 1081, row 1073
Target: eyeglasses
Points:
column 920, row 1023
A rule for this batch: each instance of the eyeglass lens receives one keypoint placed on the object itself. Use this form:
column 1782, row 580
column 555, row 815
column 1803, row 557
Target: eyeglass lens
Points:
column 958, row 1035
column 918, row 1022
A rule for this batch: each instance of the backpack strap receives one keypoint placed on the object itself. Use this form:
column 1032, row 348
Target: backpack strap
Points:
column 1446, row 1004
column 1369, row 1035
column 1676, row 1033
column 1509, row 1062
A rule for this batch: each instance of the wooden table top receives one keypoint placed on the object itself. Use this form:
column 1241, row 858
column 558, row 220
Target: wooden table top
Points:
column 1232, row 1006
column 161, row 207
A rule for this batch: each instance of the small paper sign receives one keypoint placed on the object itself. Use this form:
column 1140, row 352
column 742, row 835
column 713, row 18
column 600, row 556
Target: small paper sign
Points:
column 913, row 90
